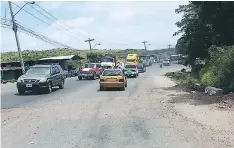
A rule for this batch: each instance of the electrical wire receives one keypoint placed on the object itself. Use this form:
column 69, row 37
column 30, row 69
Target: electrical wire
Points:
column 35, row 34
column 32, row 14
column 57, row 19
column 54, row 21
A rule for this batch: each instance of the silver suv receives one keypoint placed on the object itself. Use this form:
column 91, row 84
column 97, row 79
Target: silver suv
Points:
column 41, row 78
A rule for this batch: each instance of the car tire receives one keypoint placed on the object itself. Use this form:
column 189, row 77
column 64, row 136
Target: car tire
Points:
column 101, row 88
column 21, row 91
column 49, row 88
column 94, row 77
column 126, row 84
column 61, row 86
column 80, row 78
column 135, row 76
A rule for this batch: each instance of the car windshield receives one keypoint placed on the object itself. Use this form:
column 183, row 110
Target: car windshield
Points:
column 88, row 65
column 107, row 60
column 107, row 67
column 111, row 73
column 130, row 60
column 39, row 71
column 130, row 66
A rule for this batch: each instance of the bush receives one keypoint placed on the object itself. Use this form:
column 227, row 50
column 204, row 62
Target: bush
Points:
column 183, row 78
column 219, row 72
column 208, row 78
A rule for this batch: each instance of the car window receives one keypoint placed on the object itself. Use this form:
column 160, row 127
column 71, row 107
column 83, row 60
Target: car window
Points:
column 39, row 71
column 57, row 69
column 53, row 70
column 112, row 73
column 98, row 66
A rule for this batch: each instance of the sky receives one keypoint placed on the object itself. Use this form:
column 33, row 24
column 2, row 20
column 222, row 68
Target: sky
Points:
column 116, row 25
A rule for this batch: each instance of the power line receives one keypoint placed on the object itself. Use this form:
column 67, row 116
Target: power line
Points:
column 35, row 35
column 39, row 18
column 44, row 15
column 61, row 23
column 32, row 14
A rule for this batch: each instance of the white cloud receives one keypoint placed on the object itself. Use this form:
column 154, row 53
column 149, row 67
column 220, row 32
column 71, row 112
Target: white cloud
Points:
column 79, row 22
column 121, row 16
column 52, row 5
column 114, row 24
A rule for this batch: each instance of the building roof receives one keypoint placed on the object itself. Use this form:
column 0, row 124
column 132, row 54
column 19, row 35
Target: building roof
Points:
column 74, row 57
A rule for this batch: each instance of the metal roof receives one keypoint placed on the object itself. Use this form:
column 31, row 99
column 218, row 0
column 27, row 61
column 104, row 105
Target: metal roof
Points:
column 59, row 58
column 63, row 57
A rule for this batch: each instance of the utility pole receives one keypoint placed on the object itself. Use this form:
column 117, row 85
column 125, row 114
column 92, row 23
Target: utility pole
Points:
column 169, row 46
column 16, row 37
column 144, row 44
column 90, row 40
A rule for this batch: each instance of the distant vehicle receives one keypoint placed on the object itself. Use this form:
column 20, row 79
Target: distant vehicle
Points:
column 141, row 68
column 90, row 71
column 148, row 61
column 113, row 78
column 74, row 71
column 131, row 70
column 109, row 61
column 142, row 59
column 132, row 59
column 121, row 65
column 41, row 78
column 166, row 62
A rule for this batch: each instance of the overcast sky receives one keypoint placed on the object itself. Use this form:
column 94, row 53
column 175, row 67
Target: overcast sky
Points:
column 117, row 25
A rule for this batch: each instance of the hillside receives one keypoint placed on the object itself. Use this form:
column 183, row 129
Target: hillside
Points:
column 36, row 55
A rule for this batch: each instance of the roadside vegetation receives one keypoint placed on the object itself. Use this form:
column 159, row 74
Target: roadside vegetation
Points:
column 209, row 38
column 86, row 54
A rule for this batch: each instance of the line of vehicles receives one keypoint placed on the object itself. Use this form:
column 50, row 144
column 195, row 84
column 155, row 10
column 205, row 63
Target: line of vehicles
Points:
column 110, row 71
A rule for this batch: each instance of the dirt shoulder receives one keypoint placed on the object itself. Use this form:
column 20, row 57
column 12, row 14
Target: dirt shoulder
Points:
column 215, row 115
column 214, row 111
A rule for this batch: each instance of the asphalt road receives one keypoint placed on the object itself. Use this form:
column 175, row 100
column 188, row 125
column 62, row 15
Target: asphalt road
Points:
column 11, row 99
column 81, row 116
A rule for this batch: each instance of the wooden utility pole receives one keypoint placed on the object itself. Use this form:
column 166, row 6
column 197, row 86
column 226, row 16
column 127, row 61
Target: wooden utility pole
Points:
column 89, row 40
column 144, row 44
column 169, row 46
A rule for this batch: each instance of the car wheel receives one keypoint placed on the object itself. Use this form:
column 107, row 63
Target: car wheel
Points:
column 61, row 86
column 126, row 84
column 80, row 78
column 94, row 77
column 21, row 91
column 135, row 76
column 101, row 88
column 49, row 88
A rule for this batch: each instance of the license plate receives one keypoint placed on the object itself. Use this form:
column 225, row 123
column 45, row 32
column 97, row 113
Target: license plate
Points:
column 111, row 80
column 28, row 85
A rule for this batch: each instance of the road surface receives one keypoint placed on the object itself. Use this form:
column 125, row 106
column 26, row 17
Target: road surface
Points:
column 80, row 116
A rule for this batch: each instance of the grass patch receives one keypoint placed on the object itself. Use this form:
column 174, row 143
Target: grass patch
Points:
column 184, row 78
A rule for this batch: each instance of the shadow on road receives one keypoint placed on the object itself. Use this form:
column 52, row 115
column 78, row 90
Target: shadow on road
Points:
column 28, row 93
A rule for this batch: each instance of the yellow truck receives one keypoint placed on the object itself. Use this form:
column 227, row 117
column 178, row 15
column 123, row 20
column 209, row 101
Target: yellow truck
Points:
column 132, row 59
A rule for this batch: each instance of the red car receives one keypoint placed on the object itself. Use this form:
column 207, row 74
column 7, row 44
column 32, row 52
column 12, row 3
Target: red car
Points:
column 90, row 71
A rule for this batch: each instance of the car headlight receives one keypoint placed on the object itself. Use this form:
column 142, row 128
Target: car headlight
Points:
column 20, row 79
column 43, row 80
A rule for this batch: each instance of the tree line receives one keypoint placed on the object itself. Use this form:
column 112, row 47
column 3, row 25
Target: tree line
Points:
column 204, row 24
column 207, row 31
